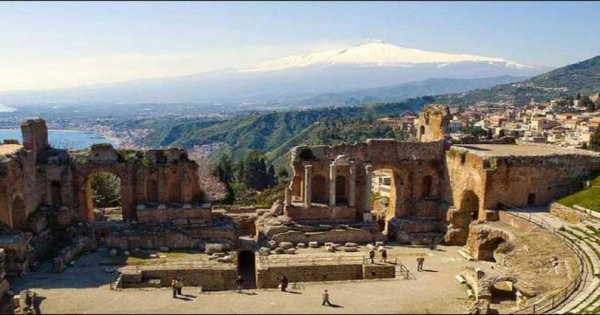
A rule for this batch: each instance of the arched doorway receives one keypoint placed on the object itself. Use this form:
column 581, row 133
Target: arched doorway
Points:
column 386, row 195
column 340, row 190
column 104, row 191
column 55, row 193
column 19, row 217
column 487, row 249
column 503, row 292
column 247, row 268
column 470, row 204
column 152, row 191
column 320, row 191
column 421, row 132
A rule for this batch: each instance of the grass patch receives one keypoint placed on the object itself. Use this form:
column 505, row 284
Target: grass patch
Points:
column 588, row 197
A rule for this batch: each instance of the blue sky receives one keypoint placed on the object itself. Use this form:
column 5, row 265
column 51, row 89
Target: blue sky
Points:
column 61, row 44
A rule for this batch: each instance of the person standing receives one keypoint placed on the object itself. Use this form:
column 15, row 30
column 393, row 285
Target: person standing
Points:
column 284, row 283
column 420, row 261
column 240, row 283
column 179, row 286
column 372, row 255
column 384, row 255
column 174, row 287
column 432, row 247
column 325, row 296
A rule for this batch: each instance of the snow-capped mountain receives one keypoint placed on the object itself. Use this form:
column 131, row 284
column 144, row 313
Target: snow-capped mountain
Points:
column 369, row 65
column 378, row 53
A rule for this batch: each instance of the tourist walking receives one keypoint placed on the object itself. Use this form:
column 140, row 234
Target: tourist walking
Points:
column 174, row 287
column 179, row 286
column 325, row 296
column 420, row 261
column 36, row 301
column 284, row 283
column 432, row 247
column 372, row 255
column 240, row 283
column 384, row 255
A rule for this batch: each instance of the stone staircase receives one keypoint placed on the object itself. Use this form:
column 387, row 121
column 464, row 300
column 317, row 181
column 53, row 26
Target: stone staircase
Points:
column 586, row 236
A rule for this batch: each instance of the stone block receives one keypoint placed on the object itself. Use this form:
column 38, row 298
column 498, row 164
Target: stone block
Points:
column 351, row 249
column 272, row 244
column 328, row 243
column 279, row 250
column 350, row 244
column 290, row 251
column 286, row 245
column 330, row 249
column 379, row 244
column 265, row 251
column 301, row 245
column 313, row 244
column 179, row 222
column 113, row 252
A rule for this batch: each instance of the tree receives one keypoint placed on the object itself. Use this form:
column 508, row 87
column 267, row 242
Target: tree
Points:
column 106, row 190
column 595, row 141
column 586, row 102
column 224, row 172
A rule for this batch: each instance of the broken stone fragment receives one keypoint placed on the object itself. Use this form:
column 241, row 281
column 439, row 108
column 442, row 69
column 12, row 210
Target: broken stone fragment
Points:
column 350, row 244
column 290, row 251
column 286, row 245
column 351, row 249
column 265, row 251
column 273, row 244
column 279, row 250
column 301, row 245
column 313, row 244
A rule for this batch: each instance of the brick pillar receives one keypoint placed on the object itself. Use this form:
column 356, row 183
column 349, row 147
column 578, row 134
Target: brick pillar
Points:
column 307, row 185
column 368, row 174
column 332, row 184
column 352, row 186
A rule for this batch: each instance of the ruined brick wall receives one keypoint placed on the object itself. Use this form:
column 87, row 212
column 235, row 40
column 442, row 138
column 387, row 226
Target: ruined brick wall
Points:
column 510, row 181
column 433, row 122
column 417, row 170
column 321, row 213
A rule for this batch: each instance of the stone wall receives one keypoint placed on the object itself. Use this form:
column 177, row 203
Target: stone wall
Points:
column 268, row 278
column 433, row 122
column 377, row 271
column 212, row 279
column 178, row 216
column 567, row 213
column 316, row 213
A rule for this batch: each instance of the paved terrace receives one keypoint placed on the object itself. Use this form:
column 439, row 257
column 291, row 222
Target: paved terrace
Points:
column 498, row 150
column 9, row 148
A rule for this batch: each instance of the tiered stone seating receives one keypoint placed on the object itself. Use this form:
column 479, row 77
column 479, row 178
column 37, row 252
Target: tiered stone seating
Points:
column 589, row 243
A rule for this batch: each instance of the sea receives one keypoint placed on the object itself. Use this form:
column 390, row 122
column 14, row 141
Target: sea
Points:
column 64, row 139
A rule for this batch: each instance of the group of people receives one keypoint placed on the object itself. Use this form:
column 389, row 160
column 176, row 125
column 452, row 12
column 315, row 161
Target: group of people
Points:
column 383, row 255
column 176, row 286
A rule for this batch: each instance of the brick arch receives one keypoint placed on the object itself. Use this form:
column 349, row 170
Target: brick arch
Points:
column 483, row 241
column 83, row 187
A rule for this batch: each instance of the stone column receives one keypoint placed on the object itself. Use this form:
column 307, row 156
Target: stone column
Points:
column 307, row 185
column 368, row 174
column 352, row 185
column 332, row 184
column 288, row 196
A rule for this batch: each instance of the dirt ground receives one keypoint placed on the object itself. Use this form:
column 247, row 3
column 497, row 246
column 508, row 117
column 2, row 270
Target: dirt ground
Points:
column 84, row 288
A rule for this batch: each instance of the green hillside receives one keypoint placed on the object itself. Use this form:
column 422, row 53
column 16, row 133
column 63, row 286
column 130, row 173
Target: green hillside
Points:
column 582, row 77
column 277, row 132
